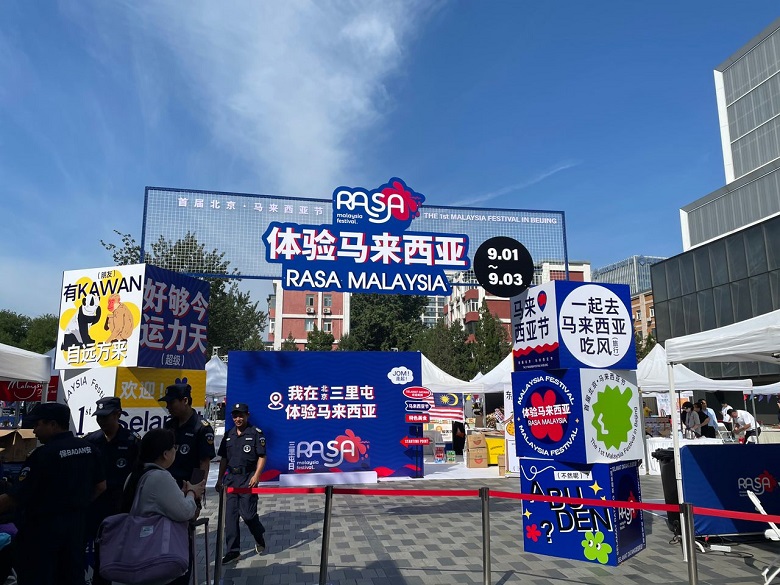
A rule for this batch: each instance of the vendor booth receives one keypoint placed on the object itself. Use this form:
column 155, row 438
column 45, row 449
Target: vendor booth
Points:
column 719, row 476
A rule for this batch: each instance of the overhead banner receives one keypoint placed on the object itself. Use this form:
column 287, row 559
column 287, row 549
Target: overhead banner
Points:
column 135, row 315
column 373, row 239
column 28, row 391
column 332, row 412
column 607, row 536
column 562, row 325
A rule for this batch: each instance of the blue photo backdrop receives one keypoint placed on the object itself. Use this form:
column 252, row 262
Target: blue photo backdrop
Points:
column 331, row 412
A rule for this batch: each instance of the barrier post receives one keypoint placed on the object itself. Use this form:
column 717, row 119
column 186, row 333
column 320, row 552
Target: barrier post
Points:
column 689, row 542
column 326, row 535
column 484, row 494
column 220, row 545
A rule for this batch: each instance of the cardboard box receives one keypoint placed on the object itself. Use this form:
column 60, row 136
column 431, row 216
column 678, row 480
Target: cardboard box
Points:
column 502, row 460
column 501, row 470
column 476, row 441
column 477, row 457
column 15, row 444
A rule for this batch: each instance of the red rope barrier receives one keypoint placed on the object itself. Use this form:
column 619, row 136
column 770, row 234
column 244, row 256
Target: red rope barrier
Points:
column 749, row 516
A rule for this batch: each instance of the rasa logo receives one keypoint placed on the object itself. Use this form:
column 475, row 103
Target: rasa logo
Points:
column 391, row 207
column 758, row 485
column 347, row 448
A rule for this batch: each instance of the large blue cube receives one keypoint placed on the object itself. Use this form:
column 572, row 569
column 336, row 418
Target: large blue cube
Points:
column 595, row 534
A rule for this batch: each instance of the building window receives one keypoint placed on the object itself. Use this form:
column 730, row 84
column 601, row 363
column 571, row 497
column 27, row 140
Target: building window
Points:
column 472, row 305
column 309, row 300
column 327, row 300
column 652, row 312
column 309, row 325
column 327, row 326
column 272, row 327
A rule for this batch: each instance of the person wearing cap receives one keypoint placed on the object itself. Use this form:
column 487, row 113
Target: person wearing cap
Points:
column 56, row 485
column 118, row 449
column 194, row 435
column 242, row 453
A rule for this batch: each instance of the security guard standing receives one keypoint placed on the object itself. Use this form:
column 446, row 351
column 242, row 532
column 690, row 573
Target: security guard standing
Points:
column 194, row 435
column 242, row 453
column 56, row 485
column 118, row 449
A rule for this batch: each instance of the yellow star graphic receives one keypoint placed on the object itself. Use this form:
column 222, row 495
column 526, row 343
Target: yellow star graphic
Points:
column 527, row 513
column 595, row 487
column 603, row 497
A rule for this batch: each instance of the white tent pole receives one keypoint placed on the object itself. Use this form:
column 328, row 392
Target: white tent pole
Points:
column 755, row 418
column 676, row 445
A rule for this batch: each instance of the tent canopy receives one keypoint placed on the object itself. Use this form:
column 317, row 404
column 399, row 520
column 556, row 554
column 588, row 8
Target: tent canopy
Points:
column 437, row 380
column 653, row 376
column 499, row 378
column 22, row 365
column 216, row 377
column 753, row 340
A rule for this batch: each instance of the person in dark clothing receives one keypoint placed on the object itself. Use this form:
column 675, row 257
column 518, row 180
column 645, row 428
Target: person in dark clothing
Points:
column 118, row 449
column 242, row 453
column 194, row 435
column 703, row 426
column 458, row 437
column 56, row 485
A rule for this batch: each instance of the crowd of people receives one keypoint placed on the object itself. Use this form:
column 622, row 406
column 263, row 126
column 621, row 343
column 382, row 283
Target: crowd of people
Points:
column 69, row 485
column 699, row 420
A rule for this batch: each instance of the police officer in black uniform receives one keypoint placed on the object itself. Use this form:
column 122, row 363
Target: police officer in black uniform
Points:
column 118, row 448
column 194, row 435
column 56, row 485
column 242, row 453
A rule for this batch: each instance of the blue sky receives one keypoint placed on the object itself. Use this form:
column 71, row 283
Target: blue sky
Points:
column 604, row 110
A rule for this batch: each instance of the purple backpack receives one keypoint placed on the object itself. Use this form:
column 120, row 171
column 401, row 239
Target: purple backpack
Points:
column 142, row 549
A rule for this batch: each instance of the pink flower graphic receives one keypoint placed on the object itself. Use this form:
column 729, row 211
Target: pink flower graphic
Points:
column 532, row 532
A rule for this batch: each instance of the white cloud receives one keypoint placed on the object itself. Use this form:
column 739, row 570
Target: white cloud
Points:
column 538, row 178
column 291, row 87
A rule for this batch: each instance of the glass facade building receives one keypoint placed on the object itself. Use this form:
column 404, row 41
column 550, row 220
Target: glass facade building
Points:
column 633, row 271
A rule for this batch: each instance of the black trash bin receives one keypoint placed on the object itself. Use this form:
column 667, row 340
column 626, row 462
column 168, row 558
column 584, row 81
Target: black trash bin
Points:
column 665, row 459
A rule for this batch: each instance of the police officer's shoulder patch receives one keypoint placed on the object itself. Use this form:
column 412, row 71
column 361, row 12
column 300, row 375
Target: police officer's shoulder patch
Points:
column 210, row 438
column 262, row 441
column 23, row 473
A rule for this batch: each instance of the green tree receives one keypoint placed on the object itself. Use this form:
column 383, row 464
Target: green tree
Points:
column 317, row 340
column 289, row 344
column 491, row 341
column 13, row 328
column 235, row 322
column 643, row 345
column 383, row 322
column 446, row 346
column 42, row 333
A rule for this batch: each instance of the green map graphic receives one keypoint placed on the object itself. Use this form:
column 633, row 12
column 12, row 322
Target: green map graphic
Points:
column 612, row 416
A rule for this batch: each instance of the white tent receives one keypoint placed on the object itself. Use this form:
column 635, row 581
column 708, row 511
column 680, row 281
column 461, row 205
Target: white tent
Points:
column 754, row 340
column 653, row 377
column 22, row 365
column 437, row 380
column 499, row 378
column 216, row 377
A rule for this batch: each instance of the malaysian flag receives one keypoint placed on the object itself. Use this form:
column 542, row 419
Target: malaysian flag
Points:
column 446, row 406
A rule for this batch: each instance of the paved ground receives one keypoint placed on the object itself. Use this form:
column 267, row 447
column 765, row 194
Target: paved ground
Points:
column 430, row 540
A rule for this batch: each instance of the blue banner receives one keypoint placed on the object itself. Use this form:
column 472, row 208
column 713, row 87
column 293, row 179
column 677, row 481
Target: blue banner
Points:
column 330, row 412
column 719, row 476
column 607, row 536
column 174, row 320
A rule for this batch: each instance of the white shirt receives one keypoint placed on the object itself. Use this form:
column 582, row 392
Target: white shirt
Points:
column 744, row 418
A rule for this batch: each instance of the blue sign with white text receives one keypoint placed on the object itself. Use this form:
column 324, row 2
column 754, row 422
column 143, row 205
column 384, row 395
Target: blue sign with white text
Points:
column 331, row 412
column 367, row 248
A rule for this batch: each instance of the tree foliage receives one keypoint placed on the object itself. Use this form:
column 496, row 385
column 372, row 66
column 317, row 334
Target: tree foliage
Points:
column 317, row 340
column 643, row 345
column 491, row 341
column 383, row 322
column 38, row 334
column 446, row 346
column 235, row 322
column 289, row 344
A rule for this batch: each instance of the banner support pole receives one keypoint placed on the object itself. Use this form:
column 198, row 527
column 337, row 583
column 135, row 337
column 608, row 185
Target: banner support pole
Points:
column 484, row 494
column 326, row 534
column 689, row 542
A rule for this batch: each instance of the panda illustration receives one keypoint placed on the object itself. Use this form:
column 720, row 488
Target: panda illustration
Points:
column 77, row 330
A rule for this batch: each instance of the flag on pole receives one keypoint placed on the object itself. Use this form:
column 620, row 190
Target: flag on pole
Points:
column 446, row 406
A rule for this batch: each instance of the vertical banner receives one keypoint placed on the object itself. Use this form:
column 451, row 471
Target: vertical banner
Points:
column 512, row 460
column 81, row 390
column 331, row 412
column 607, row 536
